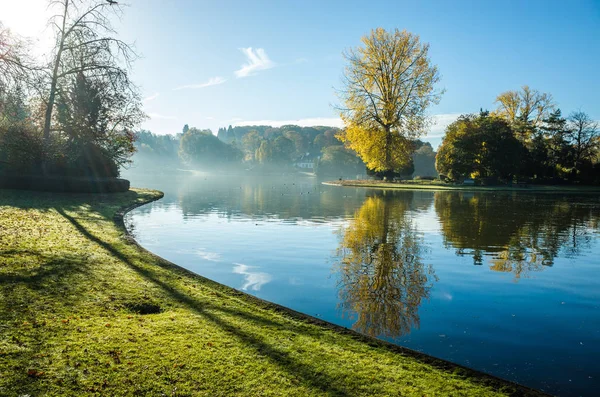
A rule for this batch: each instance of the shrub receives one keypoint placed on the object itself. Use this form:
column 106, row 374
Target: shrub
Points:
column 392, row 175
column 63, row 184
column 92, row 161
column 24, row 152
column 21, row 149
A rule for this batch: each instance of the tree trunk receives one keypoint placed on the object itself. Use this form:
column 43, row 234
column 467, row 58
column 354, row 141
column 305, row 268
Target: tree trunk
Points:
column 386, row 220
column 578, row 153
column 53, row 84
column 388, row 149
column 51, row 100
column 382, row 265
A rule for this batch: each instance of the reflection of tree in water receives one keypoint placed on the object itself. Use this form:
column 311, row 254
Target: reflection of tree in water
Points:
column 520, row 233
column 382, row 279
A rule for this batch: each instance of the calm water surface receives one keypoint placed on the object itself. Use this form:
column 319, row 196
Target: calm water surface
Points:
column 506, row 283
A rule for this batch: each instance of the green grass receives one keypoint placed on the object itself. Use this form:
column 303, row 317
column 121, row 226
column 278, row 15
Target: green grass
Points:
column 85, row 311
column 437, row 185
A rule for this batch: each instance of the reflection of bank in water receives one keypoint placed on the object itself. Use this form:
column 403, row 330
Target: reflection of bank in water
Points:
column 382, row 279
column 517, row 233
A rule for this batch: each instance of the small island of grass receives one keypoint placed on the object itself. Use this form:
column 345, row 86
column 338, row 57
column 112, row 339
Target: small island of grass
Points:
column 439, row 185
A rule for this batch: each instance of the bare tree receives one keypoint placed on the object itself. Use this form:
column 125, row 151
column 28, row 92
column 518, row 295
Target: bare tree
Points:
column 13, row 57
column 85, row 43
column 16, row 68
column 584, row 136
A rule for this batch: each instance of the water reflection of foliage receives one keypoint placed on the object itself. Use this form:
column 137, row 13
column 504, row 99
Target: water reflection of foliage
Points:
column 520, row 233
column 382, row 279
column 290, row 199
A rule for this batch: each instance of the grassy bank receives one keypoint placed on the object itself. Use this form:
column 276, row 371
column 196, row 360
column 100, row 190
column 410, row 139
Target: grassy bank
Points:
column 85, row 311
column 433, row 185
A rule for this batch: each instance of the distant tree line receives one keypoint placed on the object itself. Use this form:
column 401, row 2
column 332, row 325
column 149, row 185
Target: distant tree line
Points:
column 526, row 137
column 156, row 149
column 265, row 144
column 250, row 146
column 267, row 147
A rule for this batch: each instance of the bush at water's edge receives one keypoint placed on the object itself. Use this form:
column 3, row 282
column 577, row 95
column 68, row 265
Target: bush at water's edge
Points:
column 64, row 184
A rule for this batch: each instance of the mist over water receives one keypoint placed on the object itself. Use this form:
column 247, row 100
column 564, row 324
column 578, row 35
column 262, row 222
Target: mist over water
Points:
column 506, row 283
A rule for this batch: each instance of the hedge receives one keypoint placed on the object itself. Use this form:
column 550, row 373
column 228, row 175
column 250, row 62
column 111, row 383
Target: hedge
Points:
column 64, row 184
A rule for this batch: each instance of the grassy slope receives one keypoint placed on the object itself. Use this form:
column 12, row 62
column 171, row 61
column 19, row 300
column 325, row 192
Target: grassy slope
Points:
column 71, row 282
column 428, row 185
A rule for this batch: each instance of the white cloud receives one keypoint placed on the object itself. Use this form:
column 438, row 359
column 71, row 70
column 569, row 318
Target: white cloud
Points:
column 441, row 121
column 212, row 81
column 447, row 296
column 257, row 60
column 308, row 122
column 252, row 280
column 151, row 97
column 161, row 116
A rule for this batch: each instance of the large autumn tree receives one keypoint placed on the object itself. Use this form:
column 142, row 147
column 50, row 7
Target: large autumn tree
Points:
column 388, row 85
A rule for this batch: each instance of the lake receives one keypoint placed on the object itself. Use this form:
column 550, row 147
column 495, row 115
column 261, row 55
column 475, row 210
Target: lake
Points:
column 506, row 283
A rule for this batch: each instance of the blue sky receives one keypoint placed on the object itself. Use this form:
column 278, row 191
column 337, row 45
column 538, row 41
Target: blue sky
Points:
column 482, row 48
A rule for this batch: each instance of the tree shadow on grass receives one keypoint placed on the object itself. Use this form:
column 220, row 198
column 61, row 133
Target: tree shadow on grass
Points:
column 47, row 201
column 52, row 268
column 29, row 296
column 308, row 374
column 26, row 276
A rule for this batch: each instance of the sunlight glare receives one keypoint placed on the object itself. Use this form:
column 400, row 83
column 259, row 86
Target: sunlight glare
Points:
column 28, row 18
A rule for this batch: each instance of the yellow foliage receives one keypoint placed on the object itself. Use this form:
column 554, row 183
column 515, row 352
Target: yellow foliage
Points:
column 370, row 146
column 388, row 87
column 382, row 277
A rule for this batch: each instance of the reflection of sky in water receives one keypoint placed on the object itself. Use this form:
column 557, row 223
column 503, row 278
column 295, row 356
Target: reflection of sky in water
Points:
column 252, row 280
column 518, row 316
column 209, row 256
